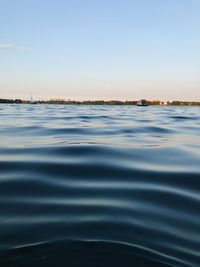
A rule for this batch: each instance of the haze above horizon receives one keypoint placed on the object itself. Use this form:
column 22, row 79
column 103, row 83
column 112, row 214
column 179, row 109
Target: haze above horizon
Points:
column 100, row 49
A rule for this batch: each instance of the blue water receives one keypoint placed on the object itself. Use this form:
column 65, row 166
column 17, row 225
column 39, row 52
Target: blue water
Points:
column 99, row 186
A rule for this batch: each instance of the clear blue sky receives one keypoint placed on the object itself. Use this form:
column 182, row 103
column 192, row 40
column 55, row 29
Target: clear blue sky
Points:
column 100, row 49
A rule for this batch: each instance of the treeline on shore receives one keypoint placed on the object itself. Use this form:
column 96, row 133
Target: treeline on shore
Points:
column 98, row 102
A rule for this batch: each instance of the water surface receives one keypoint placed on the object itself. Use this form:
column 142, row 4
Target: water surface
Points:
column 99, row 186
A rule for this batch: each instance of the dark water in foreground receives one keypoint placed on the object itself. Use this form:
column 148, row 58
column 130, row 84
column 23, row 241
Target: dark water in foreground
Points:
column 99, row 186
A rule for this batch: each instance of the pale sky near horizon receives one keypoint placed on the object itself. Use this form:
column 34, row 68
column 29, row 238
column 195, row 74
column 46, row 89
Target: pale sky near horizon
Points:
column 100, row 49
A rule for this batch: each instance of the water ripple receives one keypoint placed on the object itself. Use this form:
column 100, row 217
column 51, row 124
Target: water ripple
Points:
column 99, row 186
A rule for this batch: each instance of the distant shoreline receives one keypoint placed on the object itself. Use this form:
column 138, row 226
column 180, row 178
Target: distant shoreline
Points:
column 99, row 102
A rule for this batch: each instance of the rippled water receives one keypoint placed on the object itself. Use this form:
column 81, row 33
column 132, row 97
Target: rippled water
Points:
column 99, row 186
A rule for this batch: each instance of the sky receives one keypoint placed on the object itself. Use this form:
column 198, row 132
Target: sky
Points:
column 100, row 49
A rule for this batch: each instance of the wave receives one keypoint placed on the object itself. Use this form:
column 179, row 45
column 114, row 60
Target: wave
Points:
column 96, row 195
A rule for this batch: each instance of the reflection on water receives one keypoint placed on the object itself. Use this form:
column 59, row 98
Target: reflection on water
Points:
column 99, row 185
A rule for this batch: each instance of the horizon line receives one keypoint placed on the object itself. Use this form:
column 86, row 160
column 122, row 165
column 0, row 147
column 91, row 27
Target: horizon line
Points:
column 97, row 101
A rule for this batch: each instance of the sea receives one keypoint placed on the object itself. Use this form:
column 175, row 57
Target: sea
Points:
column 99, row 185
